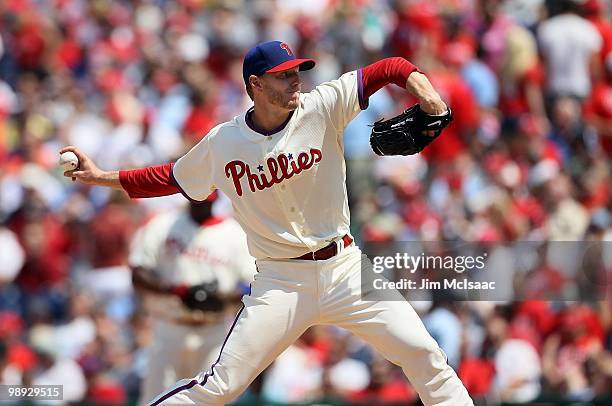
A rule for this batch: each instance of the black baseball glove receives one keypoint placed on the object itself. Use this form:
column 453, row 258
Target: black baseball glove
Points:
column 408, row 133
column 203, row 297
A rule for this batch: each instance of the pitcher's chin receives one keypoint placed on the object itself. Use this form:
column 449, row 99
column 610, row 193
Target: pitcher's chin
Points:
column 293, row 103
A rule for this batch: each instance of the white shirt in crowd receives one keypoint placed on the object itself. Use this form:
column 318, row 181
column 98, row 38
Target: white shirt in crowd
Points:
column 568, row 42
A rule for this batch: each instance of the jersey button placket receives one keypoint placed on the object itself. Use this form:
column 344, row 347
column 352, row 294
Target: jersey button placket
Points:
column 282, row 193
column 294, row 215
column 289, row 204
column 286, row 200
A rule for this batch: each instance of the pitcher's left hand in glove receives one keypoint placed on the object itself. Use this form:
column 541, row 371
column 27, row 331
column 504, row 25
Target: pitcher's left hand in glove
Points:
column 408, row 133
column 203, row 297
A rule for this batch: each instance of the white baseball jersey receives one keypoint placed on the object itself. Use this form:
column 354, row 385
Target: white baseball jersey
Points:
column 179, row 251
column 288, row 189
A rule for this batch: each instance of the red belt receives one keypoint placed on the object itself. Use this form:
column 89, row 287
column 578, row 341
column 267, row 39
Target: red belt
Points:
column 326, row 252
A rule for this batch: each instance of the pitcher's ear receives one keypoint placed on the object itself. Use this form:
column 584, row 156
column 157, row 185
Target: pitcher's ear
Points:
column 255, row 82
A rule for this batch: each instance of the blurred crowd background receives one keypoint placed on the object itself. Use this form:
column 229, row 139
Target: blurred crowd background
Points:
column 136, row 83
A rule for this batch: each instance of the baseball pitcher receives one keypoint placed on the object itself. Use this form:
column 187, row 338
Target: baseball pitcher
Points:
column 281, row 163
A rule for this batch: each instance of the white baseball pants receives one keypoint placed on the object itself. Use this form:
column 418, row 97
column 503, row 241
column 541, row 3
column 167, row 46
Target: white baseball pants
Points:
column 177, row 351
column 289, row 296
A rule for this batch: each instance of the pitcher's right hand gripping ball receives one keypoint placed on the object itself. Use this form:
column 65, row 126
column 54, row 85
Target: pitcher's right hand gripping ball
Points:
column 408, row 133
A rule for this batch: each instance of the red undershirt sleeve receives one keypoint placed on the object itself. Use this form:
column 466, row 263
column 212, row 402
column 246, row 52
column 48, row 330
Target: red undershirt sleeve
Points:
column 152, row 181
column 389, row 70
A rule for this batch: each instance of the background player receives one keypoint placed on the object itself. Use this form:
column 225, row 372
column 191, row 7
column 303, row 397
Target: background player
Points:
column 282, row 166
column 171, row 256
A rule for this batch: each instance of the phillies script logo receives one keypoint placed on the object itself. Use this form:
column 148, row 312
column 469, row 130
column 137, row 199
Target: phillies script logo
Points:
column 286, row 48
column 280, row 168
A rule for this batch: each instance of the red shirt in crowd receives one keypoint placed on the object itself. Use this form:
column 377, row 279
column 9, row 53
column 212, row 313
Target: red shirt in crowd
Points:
column 47, row 245
column 599, row 106
column 513, row 98
column 111, row 232
column 458, row 94
column 476, row 375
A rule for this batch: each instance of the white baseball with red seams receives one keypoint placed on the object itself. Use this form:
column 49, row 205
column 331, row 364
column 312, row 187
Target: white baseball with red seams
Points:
column 68, row 161
column 289, row 195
